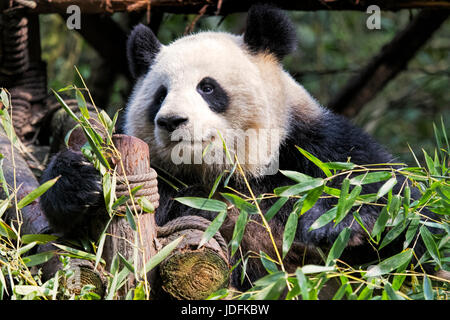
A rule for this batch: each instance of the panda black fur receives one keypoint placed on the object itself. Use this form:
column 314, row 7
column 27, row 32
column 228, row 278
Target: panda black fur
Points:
column 173, row 81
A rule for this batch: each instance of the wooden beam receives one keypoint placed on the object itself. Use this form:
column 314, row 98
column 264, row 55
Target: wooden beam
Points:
column 228, row 6
column 390, row 61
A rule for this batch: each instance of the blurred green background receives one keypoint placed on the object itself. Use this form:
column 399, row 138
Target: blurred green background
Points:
column 333, row 45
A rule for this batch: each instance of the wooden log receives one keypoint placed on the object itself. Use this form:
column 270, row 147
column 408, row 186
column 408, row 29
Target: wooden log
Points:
column 230, row 6
column 136, row 162
column 16, row 171
column 84, row 272
column 33, row 221
column 189, row 272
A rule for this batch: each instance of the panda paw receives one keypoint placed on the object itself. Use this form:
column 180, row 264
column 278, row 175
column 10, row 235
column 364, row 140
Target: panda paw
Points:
column 75, row 196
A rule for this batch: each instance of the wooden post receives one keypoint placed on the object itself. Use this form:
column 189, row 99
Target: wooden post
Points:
column 136, row 162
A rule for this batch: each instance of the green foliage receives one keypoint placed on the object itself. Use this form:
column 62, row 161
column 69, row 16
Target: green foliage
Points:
column 394, row 277
column 17, row 278
column 326, row 39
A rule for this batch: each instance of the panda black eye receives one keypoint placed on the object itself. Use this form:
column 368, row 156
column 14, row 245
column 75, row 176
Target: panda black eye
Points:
column 160, row 95
column 205, row 88
column 213, row 94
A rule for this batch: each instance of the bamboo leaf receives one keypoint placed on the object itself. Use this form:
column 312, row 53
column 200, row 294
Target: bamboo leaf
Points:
column 95, row 146
column 386, row 187
column 146, row 205
column 390, row 264
column 213, row 228
column 289, row 232
column 268, row 263
column 390, row 292
column 411, row 232
column 36, row 193
column 38, row 238
column 430, row 244
column 393, row 234
column 78, row 253
column 215, row 185
column 296, row 176
column 203, row 203
column 303, row 283
column 4, row 98
column 26, row 248
column 275, row 208
column 6, row 203
column 311, row 199
column 300, row 187
column 161, row 255
column 345, row 202
column 370, row 177
column 311, row 268
column 65, row 106
column 427, row 288
column 316, row 161
column 324, row 219
column 38, row 258
column 130, row 218
column 381, row 221
column 238, row 231
column 338, row 246
column 240, row 203
column 339, row 165
column 81, row 101
column 101, row 244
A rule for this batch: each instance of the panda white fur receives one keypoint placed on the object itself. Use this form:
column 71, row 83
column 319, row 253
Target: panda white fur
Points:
column 212, row 82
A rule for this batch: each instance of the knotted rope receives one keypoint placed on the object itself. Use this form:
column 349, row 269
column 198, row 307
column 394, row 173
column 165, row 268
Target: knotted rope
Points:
column 191, row 222
column 149, row 188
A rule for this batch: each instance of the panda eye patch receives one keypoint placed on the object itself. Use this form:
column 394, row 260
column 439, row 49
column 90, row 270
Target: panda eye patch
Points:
column 158, row 99
column 213, row 94
column 160, row 95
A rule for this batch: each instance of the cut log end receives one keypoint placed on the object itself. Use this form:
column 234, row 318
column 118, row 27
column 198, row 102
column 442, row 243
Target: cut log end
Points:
column 194, row 274
column 85, row 276
column 189, row 272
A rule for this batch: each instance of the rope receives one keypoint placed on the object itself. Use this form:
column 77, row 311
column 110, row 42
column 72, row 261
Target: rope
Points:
column 15, row 59
column 25, row 80
column 149, row 188
column 190, row 222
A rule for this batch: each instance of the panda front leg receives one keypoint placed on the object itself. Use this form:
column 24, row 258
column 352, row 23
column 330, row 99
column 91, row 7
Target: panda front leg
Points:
column 77, row 195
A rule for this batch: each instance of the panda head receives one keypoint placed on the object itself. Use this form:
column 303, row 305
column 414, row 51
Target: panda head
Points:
column 213, row 88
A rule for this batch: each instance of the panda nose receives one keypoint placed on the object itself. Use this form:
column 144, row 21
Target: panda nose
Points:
column 170, row 123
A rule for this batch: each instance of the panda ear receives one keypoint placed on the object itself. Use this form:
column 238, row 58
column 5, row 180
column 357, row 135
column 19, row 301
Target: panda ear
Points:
column 142, row 48
column 269, row 30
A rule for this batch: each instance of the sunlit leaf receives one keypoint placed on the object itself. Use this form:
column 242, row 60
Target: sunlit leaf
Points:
column 36, row 193
column 430, row 244
column 161, row 255
column 213, row 228
column 338, row 246
column 203, row 203
column 390, row 264
column 289, row 232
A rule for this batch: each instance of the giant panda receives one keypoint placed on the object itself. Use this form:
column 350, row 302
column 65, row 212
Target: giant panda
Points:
column 194, row 94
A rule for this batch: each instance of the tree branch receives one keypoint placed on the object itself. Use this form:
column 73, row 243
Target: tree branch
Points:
column 229, row 6
column 390, row 61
